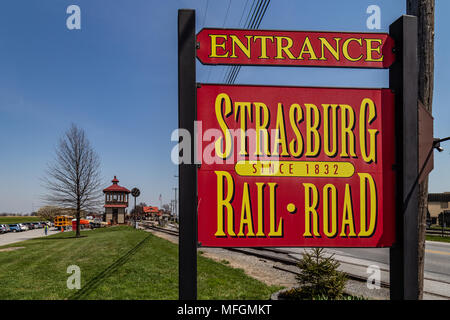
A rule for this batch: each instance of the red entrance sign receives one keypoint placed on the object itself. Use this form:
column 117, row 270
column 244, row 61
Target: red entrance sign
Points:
column 295, row 48
column 295, row 167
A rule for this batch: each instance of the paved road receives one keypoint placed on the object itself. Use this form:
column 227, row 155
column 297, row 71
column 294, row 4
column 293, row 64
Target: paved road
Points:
column 12, row 237
column 437, row 256
column 355, row 261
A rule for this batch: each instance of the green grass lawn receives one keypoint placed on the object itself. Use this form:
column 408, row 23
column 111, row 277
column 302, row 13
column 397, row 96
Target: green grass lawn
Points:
column 438, row 238
column 10, row 220
column 115, row 263
column 439, row 228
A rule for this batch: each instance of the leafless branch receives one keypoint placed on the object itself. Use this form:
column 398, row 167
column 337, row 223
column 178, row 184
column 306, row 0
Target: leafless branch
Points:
column 73, row 179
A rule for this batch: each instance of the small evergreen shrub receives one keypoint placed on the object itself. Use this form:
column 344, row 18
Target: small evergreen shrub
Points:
column 318, row 279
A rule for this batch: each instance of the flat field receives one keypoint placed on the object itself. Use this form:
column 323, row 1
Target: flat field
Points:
column 115, row 263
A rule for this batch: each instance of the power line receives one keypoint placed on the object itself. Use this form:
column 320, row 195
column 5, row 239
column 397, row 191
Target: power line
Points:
column 255, row 18
column 256, row 14
column 258, row 23
column 262, row 16
column 249, row 12
column 259, row 10
column 206, row 11
column 204, row 23
column 223, row 25
column 243, row 11
column 226, row 15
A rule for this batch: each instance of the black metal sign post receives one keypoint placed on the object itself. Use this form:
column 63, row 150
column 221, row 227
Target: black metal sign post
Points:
column 403, row 78
column 187, row 90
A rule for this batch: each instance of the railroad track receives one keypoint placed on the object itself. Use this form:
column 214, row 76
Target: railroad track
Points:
column 275, row 255
column 173, row 232
column 269, row 254
column 164, row 230
column 436, row 232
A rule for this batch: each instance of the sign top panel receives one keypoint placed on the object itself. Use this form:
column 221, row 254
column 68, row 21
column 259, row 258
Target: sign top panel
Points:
column 295, row 48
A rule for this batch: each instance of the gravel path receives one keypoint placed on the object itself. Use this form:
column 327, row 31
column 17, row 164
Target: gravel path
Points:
column 255, row 267
column 269, row 273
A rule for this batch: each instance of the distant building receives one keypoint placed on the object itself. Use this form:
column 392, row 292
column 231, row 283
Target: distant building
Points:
column 151, row 211
column 438, row 206
column 116, row 202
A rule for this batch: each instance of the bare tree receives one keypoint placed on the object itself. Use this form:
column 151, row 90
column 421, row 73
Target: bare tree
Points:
column 424, row 10
column 73, row 180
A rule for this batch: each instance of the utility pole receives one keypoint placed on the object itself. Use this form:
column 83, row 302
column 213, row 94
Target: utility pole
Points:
column 175, row 207
column 175, row 202
column 424, row 10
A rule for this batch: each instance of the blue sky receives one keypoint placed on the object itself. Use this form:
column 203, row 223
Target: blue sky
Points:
column 117, row 79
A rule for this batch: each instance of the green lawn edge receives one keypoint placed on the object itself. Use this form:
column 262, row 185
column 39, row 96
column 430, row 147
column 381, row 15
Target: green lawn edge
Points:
column 113, row 268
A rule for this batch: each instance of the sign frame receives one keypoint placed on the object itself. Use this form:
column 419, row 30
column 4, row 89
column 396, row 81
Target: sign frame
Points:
column 403, row 81
column 187, row 172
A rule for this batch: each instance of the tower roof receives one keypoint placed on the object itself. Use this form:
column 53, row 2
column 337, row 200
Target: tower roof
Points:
column 115, row 187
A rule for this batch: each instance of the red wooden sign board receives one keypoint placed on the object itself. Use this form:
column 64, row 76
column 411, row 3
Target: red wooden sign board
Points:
column 295, row 167
column 295, row 48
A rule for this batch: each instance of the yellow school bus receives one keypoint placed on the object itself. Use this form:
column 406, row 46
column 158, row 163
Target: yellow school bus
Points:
column 63, row 221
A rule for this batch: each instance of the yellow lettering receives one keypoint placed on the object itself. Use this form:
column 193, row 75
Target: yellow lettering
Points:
column 280, row 133
column 367, row 231
column 279, row 231
column 227, row 144
column 246, row 214
column 285, row 49
column 261, row 111
column 328, row 122
column 296, row 144
column 241, row 108
column 245, row 50
column 263, row 45
column 214, row 46
column 224, row 202
column 370, row 49
column 326, row 211
column 335, row 52
column 312, row 133
column 345, row 49
column 311, row 210
column 347, row 215
column 347, row 135
column 309, row 50
column 260, row 187
column 367, row 104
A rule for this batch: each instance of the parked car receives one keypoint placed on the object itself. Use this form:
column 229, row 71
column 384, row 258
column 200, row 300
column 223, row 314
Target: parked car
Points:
column 4, row 228
column 29, row 225
column 38, row 225
column 15, row 227
column 23, row 227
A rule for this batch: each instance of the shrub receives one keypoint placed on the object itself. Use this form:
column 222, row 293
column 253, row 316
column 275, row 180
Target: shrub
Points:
column 318, row 279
